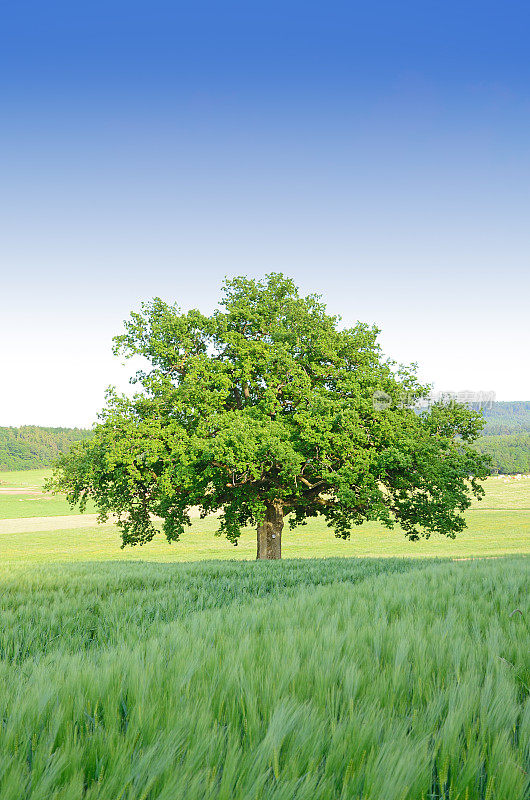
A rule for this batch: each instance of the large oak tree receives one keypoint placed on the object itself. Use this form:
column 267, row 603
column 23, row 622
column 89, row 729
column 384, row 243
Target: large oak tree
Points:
column 268, row 408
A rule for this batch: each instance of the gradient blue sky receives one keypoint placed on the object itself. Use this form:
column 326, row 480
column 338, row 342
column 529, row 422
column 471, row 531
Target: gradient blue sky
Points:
column 379, row 153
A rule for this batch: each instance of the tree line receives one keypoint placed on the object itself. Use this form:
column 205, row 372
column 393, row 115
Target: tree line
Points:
column 505, row 418
column 510, row 454
column 33, row 447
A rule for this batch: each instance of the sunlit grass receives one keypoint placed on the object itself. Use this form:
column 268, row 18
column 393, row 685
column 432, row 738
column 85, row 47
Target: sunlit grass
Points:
column 488, row 534
column 505, row 492
column 25, row 477
column 21, row 506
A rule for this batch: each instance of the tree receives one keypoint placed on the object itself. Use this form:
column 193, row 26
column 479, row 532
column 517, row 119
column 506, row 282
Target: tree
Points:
column 266, row 408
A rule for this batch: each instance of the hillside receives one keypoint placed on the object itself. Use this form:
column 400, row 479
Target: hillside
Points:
column 507, row 418
column 510, row 454
column 31, row 447
column 506, row 436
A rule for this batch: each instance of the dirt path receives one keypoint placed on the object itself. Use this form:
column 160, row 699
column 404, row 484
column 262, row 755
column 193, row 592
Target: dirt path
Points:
column 67, row 522
column 30, row 524
column 19, row 490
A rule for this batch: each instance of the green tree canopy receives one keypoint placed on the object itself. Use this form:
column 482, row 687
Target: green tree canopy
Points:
column 267, row 408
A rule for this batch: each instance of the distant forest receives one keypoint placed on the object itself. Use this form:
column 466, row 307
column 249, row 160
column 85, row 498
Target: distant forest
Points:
column 31, row 447
column 507, row 418
column 510, row 454
column 506, row 438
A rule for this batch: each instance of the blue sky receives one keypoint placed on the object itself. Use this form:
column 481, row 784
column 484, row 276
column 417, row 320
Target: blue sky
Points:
column 377, row 153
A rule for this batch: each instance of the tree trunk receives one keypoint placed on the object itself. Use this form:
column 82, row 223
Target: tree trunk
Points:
column 270, row 532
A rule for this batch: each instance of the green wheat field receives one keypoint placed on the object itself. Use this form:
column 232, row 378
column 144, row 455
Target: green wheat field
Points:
column 377, row 668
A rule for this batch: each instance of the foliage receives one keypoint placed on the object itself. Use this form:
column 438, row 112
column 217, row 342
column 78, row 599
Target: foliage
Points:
column 265, row 404
column 30, row 446
column 509, row 454
column 367, row 679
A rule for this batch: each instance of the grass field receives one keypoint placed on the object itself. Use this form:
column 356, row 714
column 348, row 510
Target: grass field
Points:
column 31, row 501
column 27, row 478
column 305, row 680
column 124, row 676
column 487, row 535
column 19, row 506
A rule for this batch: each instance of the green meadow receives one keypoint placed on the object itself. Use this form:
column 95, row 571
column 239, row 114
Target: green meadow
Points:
column 31, row 500
column 27, row 478
column 488, row 534
column 376, row 668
